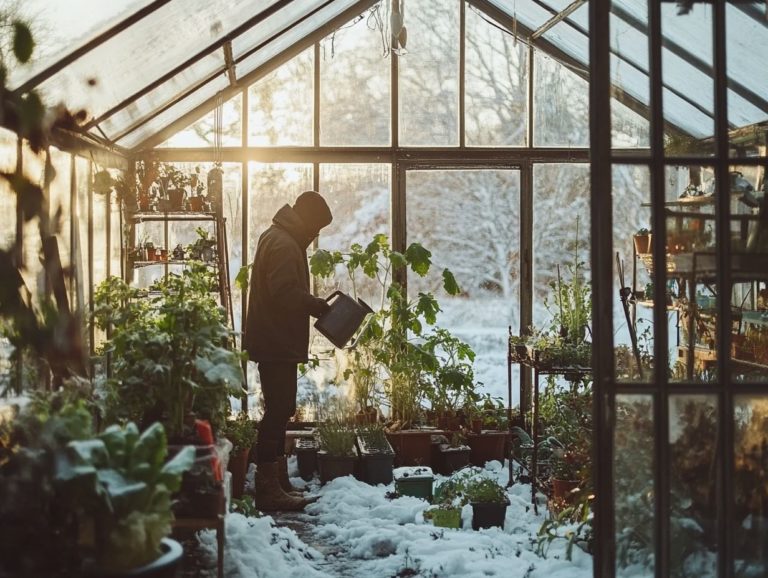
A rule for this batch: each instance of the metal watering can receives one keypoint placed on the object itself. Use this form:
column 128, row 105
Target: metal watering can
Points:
column 344, row 317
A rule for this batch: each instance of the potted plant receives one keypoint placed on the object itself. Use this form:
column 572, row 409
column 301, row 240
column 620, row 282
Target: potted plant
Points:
column 306, row 457
column 489, row 443
column 451, row 454
column 394, row 341
column 168, row 354
column 80, row 504
column 242, row 432
column 489, row 502
column 203, row 248
column 336, row 457
column 376, row 454
column 642, row 240
column 444, row 516
column 414, row 481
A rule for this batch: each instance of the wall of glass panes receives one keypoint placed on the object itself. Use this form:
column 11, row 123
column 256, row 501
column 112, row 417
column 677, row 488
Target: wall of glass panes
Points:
column 324, row 120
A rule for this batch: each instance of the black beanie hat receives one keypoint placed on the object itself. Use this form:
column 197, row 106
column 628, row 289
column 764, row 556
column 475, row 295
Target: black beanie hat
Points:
column 313, row 210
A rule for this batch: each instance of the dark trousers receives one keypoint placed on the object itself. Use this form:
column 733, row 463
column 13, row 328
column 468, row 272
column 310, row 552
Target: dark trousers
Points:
column 278, row 386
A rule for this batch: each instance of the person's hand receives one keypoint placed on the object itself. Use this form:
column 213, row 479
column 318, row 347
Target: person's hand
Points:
column 320, row 307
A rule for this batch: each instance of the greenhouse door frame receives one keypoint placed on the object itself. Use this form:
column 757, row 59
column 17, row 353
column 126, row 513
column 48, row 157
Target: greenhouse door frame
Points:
column 606, row 386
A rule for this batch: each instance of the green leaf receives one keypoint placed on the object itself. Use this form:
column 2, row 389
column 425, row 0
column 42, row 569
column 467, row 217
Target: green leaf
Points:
column 397, row 259
column 172, row 471
column 322, row 263
column 151, row 450
column 241, row 281
column 449, row 283
column 418, row 258
column 428, row 307
column 23, row 43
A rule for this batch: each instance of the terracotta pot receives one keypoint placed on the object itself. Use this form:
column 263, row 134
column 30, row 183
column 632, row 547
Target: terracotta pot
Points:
column 196, row 204
column 176, row 199
column 151, row 253
column 643, row 243
column 238, row 466
column 486, row 447
column 412, row 447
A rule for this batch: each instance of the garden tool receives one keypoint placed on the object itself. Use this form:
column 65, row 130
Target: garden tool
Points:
column 625, row 294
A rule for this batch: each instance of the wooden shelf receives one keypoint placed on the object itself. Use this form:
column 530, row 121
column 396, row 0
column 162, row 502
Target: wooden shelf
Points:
column 172, row 216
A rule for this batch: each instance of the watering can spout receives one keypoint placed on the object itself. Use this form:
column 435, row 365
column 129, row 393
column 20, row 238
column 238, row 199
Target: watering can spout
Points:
column 343, row 318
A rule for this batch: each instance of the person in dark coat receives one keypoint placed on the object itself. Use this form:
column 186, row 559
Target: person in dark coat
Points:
column 277, row 336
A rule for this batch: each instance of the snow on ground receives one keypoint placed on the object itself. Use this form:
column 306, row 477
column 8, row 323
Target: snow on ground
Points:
column 381, row 538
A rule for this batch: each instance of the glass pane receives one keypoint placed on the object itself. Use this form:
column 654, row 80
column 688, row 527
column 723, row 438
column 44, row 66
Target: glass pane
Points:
column 60, row 194
column 496, row 85
column 115, row 232
column 688, row 83
column 283, row 25
column 58, row 29
column 7, row 195
column 749, row 333
column 633, row 486
column 486, row 266
column 359, row 197
column 632, row 242
column 561, row 105
column 202, row 133
column 354, row 88
column 281, row 105
column 750, row 533
column 691, row 271
column 164, row 119
column 693, row 515
column 629, row 129
column 99, row 218
column 429, row 80
column 32, row 274
column 560, row 245
column 81, row 215
column 270, row 187
column 154, row 45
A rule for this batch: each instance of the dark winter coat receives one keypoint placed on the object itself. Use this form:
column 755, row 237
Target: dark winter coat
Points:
column 279, row 300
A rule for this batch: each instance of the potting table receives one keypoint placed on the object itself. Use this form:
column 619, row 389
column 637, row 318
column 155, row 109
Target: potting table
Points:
column 532, row 360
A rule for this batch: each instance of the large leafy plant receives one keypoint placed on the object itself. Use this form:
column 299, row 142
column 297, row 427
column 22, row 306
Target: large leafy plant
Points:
column 169, row 352
column 394, row 346
column 125, row 486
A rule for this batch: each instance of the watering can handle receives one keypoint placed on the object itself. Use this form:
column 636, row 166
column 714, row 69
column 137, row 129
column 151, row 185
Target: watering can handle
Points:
column 332, row 295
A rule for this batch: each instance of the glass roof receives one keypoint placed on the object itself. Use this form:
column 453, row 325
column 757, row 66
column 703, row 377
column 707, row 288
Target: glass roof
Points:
column 686, row 56
column 150, row 63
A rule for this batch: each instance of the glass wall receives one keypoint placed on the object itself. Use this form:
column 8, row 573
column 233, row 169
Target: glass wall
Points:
column 469, row 220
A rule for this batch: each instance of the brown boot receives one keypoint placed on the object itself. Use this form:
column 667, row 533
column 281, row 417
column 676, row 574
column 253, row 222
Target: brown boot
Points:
column 285, row 482
column 268, row 496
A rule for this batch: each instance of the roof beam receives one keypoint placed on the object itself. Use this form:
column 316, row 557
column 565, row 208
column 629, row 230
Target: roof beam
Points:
column 743, row 91
column 579, row 68
column 211, row 77
column 88, row 46
column 256, row 74
column 244, row 27
column 229, row 62
column 557, row 18
column 89, row 146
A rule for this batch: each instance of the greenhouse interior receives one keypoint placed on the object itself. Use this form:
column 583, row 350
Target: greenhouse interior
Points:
column 283, row 293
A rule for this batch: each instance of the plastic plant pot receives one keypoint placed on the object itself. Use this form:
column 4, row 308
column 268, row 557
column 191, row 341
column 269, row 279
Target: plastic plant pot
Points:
column 332, row 467
column 488, row 515
column 414, row 481
column 306, row 457
column 451, row 459
column 376, row 463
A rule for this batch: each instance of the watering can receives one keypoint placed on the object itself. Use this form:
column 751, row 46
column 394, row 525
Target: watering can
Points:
column 344, row 317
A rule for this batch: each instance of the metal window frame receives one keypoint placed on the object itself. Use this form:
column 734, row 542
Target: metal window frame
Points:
column 606, row 388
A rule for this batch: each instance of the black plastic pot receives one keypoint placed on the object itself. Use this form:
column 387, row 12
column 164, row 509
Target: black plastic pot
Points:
column 306, row 457
column 486, row 515
column 375, row 465
column 166, row 566
column 451, row 459
column 332, row 467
